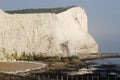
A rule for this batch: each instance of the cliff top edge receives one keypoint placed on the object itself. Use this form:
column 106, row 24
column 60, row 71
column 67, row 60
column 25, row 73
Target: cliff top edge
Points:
column 41, row 10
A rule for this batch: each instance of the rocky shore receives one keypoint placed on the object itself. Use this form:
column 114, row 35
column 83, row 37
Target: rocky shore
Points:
column 66, row 64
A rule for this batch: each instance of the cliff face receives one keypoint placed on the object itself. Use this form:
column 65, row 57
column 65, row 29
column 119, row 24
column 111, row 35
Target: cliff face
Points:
column 63, row 33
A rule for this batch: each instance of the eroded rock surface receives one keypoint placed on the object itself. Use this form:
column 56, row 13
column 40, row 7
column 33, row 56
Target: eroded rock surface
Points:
column 63, row 34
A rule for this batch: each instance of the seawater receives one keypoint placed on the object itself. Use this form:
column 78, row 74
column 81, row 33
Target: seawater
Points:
column 102, row 61
column 105, row 66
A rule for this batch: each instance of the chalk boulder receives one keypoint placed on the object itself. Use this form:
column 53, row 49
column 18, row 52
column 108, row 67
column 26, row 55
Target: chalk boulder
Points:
column 61, row 32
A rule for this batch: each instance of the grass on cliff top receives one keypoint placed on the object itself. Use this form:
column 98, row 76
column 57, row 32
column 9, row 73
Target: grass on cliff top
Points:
column 43, row 10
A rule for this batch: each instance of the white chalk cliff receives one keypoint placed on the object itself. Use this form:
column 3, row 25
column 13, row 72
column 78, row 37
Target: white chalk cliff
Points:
column 64, row 33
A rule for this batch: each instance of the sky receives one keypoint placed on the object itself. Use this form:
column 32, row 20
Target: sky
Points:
column 103, row 17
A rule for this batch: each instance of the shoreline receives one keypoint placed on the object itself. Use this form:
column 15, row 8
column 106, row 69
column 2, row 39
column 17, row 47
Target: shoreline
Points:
column 93, row 56
column 59, row 66
column 20, row 66
column 81, row 60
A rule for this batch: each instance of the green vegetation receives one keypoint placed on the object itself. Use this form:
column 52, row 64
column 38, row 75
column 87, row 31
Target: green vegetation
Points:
column 42, row 57
column 27, row 56
column 44, row 10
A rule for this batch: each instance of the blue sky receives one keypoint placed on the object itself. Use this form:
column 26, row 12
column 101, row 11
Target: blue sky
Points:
column 103, row 17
